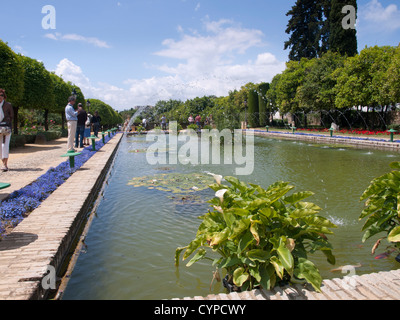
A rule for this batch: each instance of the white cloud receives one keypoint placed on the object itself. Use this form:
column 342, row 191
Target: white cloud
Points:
column 196, row 65
column 375, row 17
column 76, row 37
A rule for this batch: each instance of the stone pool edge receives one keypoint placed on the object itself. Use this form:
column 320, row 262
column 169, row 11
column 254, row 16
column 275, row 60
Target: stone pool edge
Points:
column 358, row 142
column 46, row 236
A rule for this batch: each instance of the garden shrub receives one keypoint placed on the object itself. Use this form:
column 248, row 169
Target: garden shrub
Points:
column 261, row 236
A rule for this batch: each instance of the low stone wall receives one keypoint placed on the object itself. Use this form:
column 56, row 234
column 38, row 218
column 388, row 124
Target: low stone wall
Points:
column 359, row 142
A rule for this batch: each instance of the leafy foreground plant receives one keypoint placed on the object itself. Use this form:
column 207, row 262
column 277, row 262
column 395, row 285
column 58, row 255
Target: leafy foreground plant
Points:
column 383, row 211
column 261, row 235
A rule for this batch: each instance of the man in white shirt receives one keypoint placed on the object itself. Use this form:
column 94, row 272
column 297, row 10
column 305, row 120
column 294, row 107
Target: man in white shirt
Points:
column 72, row 119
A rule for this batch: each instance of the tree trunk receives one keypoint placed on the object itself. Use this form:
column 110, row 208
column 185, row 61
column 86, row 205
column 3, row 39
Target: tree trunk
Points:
column 15, row 109
column 46, row 122
column 62, row 120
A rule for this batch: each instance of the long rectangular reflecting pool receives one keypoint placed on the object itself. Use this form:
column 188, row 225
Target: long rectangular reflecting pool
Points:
column 149, row 210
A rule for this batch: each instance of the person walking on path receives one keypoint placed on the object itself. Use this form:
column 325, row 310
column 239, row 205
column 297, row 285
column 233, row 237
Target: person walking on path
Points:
column 80, row 129
column 72, row 118
column 96, row 120
column 6, row 117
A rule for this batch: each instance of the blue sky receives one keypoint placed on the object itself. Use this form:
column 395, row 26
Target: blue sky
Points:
column 136, row 52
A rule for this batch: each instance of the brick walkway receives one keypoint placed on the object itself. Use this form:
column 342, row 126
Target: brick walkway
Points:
column 375, row 286
column 45, row 236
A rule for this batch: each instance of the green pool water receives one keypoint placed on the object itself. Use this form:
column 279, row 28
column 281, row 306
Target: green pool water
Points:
column 132, row 240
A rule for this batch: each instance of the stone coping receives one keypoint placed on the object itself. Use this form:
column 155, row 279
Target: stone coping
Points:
column 355, row 141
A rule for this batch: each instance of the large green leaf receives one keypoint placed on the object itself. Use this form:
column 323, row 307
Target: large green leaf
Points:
column 239, row 227
column 229, row 262
column 306, row 270
column 300, row 213
column 177, row 255
column 240, row 276
column 268, row 277
column 258, row 255
column 286, row 258
column 395, row 165
column 394, row 235
column 329, row 256
column 296, row 197
column 255, row 273
column 371, row 231
column 279, row 268
column 245, row 241
column 219, row 237
column 198, row 256
column 192, row 247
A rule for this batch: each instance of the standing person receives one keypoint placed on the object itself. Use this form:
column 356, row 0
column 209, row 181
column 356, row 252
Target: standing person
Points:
column 190, row 120
column 96, row 120
column 80, row 128
column 88, row 127
column 198, row 121
column 144, row 123
column 72, row 118
column 6, row 116
column 163, row 123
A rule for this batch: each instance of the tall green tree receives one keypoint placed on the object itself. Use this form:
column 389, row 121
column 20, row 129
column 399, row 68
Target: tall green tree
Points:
column 12, row 78
column 304, row 29
column 38, row 86
column 362, row 80
column 61, row 93
column 341, row 40
column 393, row 75
column 252, row 105
column 318, row 89
column 263, row 104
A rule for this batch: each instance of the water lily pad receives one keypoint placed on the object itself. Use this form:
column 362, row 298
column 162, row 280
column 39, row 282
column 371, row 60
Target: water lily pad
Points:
column 177, row 183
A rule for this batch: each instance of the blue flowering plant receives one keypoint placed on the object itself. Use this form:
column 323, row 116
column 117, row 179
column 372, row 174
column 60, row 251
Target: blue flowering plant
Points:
column 19, row 204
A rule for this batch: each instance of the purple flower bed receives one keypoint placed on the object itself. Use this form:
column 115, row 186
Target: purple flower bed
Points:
column 23, row 201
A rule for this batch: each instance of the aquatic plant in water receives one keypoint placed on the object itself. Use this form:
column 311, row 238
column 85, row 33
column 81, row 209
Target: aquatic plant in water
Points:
column 21, row 202
column 261, row 236
column 179, row 183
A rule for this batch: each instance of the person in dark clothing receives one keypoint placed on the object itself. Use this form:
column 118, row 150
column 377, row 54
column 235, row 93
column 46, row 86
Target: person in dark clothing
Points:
column 80, row 129
column 96, row 120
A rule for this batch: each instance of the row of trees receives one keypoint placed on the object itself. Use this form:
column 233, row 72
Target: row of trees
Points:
column 30, row 86
column 327, row 84
column 335, row 82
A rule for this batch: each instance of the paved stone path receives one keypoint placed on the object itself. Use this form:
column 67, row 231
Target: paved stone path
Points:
column 44, row 238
